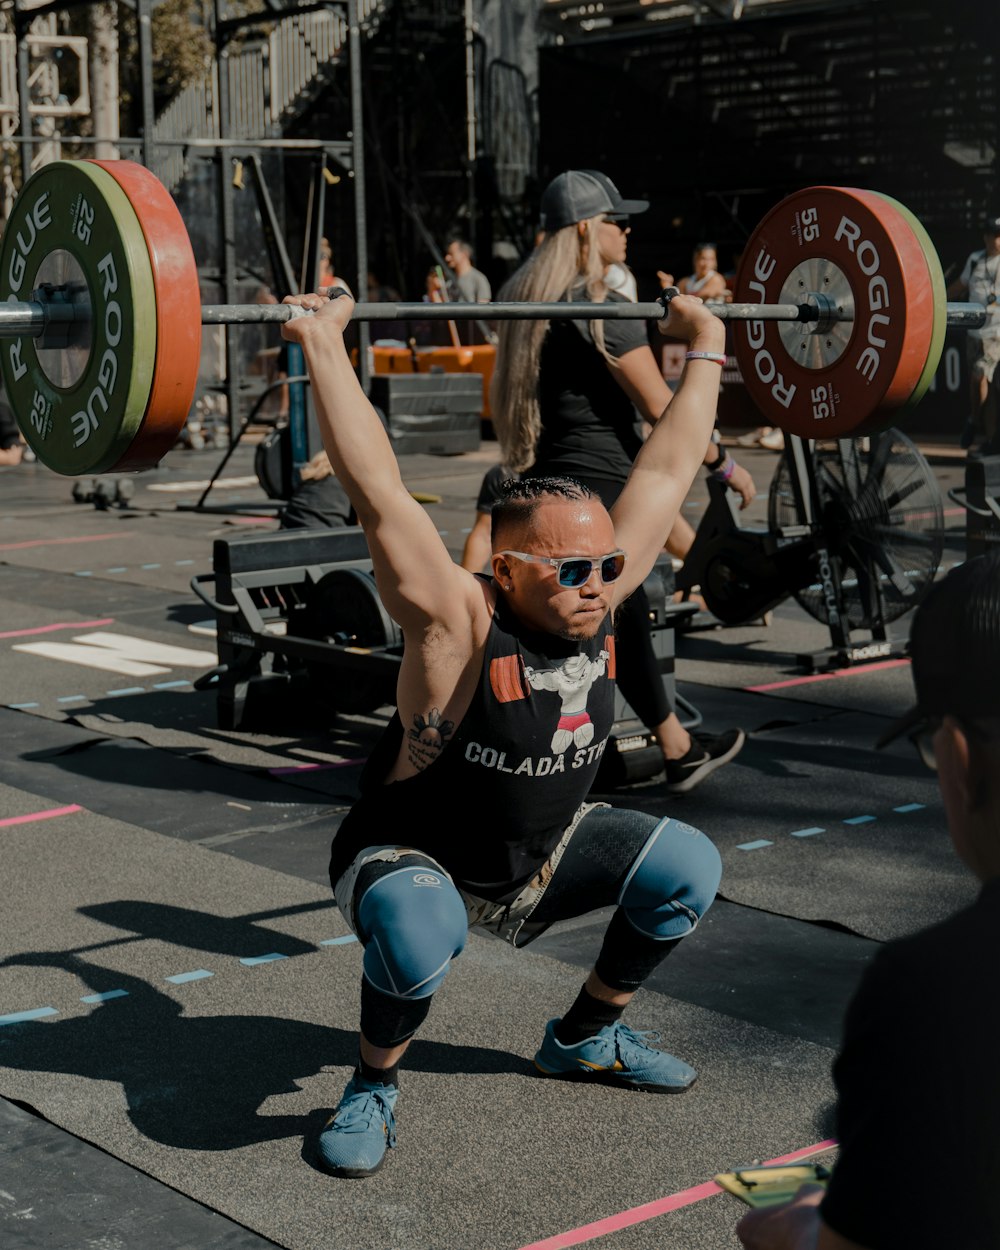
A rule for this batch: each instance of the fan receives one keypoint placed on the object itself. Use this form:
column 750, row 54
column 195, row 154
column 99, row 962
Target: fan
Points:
column 881, row 518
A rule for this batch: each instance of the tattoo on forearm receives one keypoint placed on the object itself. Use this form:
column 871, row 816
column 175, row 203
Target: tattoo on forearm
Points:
column 428, row 737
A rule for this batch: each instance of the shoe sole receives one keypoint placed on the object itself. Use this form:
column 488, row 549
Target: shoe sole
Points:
column 611, row 1078
column 352, row 1174
column 706, row 769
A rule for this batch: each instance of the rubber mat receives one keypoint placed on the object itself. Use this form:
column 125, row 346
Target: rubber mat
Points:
column 813, row 823
column 183, row 1011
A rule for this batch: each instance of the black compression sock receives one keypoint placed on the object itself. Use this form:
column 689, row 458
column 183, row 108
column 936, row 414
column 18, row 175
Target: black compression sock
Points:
column 587, row 1016
column 378, row 1076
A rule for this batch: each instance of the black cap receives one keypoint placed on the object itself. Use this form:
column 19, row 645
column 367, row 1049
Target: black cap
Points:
column 581, row 193
column 991, row 225
column 955, row 647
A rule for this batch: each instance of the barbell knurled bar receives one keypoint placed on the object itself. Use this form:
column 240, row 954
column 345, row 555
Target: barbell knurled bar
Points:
column 838, row 314
column 36, row 318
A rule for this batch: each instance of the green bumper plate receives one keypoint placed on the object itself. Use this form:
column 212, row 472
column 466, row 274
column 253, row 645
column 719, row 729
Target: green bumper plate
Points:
column 79, row 209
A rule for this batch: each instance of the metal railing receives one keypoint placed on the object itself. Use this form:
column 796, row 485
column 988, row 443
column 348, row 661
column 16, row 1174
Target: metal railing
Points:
column 267, row 81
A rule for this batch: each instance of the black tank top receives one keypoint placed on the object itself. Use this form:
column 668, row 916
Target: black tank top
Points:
column 494, row 804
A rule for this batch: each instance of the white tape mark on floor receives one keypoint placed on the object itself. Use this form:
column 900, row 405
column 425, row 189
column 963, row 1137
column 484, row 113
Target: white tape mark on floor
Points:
column 120, row 653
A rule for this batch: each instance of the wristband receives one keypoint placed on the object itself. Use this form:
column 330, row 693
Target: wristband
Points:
column 718, row 358
column 724, row 468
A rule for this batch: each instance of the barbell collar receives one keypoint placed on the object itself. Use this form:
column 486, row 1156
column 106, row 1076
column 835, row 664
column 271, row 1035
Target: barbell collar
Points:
column 967, row 316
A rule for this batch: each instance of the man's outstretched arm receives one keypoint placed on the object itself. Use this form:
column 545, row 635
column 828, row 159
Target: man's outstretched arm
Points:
column 417, row 578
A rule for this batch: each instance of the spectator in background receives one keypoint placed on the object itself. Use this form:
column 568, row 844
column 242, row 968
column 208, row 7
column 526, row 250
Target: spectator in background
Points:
column 319, row 501
column 918, row 1061
column 469, row 285
column 478, row 543
column 706, row 282
column 979, row 282
column 379, row 292
column 564, row 399
column 11, row 447
column 327, row 278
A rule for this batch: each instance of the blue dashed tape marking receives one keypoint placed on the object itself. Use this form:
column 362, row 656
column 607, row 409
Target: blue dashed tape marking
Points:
column 170, row 685
column 261, row 959
column 858, row 820
column 83, row 573
column 183, row 562
column 807, row 833
column 341, row 941
column 19, row 707
column 106, row 997
column 181, row 978
column 910, row 807
column 127, row 690
column 120, row 569
column 19, row 1017
column 753, row 846
column 149, row 566
column 71, row 698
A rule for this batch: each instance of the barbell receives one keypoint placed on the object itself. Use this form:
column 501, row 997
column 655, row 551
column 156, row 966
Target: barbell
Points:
column 839, row 308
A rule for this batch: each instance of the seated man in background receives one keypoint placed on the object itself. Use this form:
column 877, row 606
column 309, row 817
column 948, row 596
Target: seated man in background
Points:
column 918, row 1082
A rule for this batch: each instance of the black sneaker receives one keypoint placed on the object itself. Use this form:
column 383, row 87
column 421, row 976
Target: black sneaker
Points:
column 707, row 753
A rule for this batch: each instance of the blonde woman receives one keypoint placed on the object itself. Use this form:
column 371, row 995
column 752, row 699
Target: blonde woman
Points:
column 567, row 398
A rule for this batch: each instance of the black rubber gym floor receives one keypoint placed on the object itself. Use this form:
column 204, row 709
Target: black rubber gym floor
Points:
column 178, row 1002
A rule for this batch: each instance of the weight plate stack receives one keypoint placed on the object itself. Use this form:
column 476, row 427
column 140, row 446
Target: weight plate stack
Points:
column 178, row 313
column 940, row 305
column 857, row 250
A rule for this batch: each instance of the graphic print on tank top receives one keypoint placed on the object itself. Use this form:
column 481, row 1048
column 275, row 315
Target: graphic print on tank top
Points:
column 572, row 681
column 558, row 704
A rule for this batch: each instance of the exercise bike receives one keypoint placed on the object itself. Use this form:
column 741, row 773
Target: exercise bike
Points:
column 854, row 534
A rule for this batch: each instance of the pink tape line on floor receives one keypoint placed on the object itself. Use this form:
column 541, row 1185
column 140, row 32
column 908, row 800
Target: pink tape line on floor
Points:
column 662, row 1206
column 837, row 672
column 53, row 811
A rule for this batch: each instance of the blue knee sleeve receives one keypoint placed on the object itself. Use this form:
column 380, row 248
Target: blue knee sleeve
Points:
column 672, row 882
column 412, row 923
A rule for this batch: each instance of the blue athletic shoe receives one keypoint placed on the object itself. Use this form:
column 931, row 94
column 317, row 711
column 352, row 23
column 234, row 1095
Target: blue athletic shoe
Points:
column 617, row 1055
column 359, row 1132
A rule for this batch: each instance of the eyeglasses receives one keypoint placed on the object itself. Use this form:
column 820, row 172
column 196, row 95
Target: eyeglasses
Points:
column 575, row 571
column 922, row 737
column 621, row 220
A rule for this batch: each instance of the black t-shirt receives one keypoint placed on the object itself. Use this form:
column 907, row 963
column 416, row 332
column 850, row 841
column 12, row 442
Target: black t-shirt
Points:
column 317, row 504
column 589, row 424
column 490, row 488
column 494, row 804
column 918, row 1078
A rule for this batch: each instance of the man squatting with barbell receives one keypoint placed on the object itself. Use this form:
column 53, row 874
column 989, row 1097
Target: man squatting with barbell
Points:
column 506, row 692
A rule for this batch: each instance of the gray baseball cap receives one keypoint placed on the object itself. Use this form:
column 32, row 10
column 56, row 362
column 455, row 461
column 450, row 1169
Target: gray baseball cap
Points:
column 581, row 193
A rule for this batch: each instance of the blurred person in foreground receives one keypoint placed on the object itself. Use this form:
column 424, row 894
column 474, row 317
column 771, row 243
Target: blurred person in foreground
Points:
column 918, row 1082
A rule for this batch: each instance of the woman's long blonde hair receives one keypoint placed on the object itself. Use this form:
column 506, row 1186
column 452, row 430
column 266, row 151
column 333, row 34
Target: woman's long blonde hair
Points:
column 560, row 262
